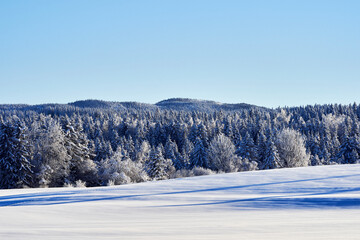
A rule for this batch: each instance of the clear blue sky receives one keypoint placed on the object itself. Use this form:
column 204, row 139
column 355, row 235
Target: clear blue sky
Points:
column 268, row 53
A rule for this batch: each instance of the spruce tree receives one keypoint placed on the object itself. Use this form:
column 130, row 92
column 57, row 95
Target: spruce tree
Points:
column 156, row 166
column 51, row 159
column 247, row 148
column 172, row 153
column 198, row 156
column 271, row 158
column 15, row 167
column 349, row 150
column 82, row 166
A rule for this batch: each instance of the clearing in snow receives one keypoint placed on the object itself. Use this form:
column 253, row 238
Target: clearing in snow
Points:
column 299, row 203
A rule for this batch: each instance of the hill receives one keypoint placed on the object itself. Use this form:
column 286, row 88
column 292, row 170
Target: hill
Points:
column 300, row 203
column 175, row 104
column 186, row 104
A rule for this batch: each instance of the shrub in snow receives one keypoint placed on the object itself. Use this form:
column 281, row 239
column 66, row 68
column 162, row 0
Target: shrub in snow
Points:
column 43, row 183
column 196, row 171
column 246, row 165
column 110, row 183
column 121, row 170
column 180, row 173
column 68, row 185
column 80, row 184
column 199, row 171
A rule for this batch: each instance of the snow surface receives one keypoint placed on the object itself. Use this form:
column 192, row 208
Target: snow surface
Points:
column 299, row 203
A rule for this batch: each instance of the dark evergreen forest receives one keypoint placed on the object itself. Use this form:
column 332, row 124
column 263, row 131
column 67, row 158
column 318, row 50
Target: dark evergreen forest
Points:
column 95, row 143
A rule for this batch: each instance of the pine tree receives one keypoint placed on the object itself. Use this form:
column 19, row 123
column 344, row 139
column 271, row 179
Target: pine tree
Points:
column 349, row 151
column 247, row 148
column 261, row 144
column 103, row 149
column 15, row 167
column 157, row 165
column 187, row 149
column 129, row 147
column 271, row 158
column 198, row 156
column 114, row 139
column 82, row 166
column 228, row 130
column 172, row 153
column 143, row 153
column 315, row 160
column 51, row 160
column 313, row 144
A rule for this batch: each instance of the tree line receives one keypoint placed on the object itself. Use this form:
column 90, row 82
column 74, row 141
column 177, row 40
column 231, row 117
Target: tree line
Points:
column 60, row 146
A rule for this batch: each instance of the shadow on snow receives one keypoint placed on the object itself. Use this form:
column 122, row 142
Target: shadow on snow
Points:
column 306, row 197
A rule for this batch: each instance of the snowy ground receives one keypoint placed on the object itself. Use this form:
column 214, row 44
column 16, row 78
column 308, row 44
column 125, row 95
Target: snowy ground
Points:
column 301, row 203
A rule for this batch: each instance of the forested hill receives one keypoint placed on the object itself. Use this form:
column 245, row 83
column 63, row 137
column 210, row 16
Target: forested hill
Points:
column 185, row 104
column 175, row 104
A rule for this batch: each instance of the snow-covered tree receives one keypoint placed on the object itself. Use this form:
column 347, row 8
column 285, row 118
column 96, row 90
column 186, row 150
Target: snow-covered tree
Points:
column 291, row 147
column 102, row 149
column 247, row 148
column 172, row 153
column 51, row 159
column 221, row 154
column 261, row 144
column 82, row 167
column 143, row 153
column 198, row 156
column 15, row 167
column 349, row 150
column 187, row 149
column 271, row 158
column 157, row 166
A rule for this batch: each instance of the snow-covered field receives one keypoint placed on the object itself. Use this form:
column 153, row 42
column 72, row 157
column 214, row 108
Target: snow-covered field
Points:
column 299, row 203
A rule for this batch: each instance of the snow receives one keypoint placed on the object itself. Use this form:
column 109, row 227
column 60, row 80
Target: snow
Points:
column 299, row 203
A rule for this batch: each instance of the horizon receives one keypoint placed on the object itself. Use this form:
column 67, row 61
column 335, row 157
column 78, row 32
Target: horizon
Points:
column 265, row 53
column 173, row 98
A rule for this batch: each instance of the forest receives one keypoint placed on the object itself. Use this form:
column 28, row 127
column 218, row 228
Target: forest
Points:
column 92, row 144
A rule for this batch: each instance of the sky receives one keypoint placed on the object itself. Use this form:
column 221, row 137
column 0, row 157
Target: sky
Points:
column 269, row 53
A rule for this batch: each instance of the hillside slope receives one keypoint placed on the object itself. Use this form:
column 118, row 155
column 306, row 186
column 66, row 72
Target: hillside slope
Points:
column 185, row 104
column 175, row 104
column 299, row 203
